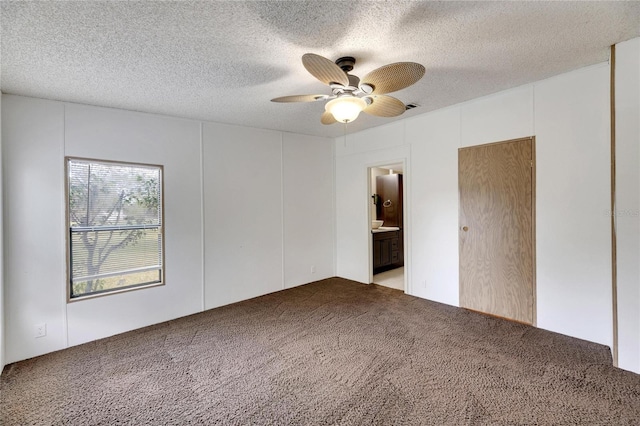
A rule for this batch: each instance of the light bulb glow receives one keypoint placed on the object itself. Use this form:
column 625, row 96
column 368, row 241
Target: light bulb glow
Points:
column 345, row 109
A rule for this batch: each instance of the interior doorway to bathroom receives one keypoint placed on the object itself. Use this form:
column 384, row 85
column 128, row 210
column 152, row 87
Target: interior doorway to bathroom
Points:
column 386, row 215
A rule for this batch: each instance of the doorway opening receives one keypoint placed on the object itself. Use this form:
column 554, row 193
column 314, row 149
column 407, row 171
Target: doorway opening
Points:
column 386, row 218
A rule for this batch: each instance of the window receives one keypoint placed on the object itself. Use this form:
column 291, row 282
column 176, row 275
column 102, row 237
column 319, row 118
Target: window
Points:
column 114, row 214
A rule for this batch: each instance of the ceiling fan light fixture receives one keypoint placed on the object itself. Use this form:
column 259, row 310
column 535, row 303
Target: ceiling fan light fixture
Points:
column 345, row 109
column 367, row 89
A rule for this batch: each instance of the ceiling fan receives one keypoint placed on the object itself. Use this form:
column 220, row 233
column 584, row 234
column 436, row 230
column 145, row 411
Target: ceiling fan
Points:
column 350, row 95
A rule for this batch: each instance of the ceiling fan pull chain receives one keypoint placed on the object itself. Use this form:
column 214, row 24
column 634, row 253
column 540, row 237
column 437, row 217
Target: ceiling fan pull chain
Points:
column 345, row 134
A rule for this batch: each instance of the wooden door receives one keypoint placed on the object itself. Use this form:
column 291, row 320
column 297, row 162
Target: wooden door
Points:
column 496, row 229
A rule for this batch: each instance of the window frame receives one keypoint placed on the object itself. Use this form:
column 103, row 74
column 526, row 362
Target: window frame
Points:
column 68, row 231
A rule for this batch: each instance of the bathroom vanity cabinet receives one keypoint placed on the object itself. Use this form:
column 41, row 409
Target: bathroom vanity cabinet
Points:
column 387, row 250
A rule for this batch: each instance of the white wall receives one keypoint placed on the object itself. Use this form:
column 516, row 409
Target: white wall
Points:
column 227, row 218
column 573, row 193
column 628, row 201
column 500, row 117
column 434, row 140
column 308, row 226
column 569, row 115
column 269, row 214
column 243, row 204
column 33, row 177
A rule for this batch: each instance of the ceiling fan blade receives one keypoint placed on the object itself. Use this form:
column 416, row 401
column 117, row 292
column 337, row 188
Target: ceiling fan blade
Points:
column 392, row 77
column 327, row 118
column 324, row 69
column 300, row 98
column 385, row 106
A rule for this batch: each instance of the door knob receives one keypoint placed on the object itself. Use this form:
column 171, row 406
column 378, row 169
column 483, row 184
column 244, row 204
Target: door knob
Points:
column 465, row 228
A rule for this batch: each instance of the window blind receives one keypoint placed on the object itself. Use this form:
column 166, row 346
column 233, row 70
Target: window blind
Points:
column 115, row 226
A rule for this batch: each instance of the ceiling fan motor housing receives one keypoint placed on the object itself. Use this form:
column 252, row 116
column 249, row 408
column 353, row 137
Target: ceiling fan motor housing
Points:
column 346, row 63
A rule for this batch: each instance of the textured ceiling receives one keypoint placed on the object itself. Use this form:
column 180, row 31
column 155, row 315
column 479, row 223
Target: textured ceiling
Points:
column 224, row 61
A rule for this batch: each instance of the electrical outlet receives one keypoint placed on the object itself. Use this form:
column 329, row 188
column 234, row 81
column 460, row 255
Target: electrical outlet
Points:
column 41, row 330
column 313, row 269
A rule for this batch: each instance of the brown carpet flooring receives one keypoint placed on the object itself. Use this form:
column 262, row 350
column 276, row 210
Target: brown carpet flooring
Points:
column 331, row 352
